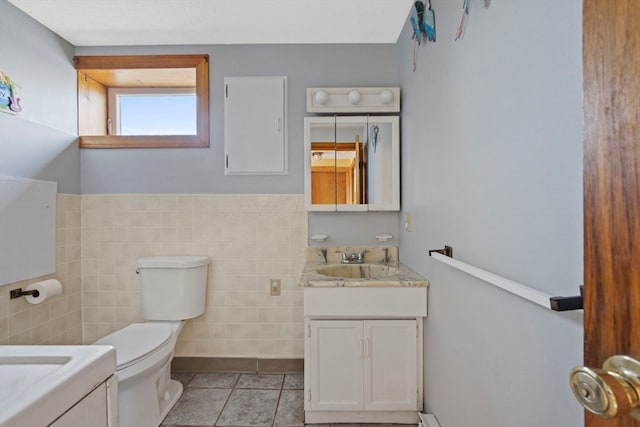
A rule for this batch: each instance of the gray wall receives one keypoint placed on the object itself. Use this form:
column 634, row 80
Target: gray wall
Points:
column 491, row 165
column 39, row 143
column 353, row 228
column 202, row 170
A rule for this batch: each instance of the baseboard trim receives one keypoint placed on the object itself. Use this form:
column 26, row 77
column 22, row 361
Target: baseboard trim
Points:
column 361, row 417
column 237, row 364
column 281, row 366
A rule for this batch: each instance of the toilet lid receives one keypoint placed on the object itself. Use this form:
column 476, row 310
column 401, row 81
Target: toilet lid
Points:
column 136, row 341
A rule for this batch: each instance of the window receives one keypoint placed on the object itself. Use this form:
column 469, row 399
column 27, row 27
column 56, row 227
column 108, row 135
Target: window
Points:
column 143, row 101
column 152, row 111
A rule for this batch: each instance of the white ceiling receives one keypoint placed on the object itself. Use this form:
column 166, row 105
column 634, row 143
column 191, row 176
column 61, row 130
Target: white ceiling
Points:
column 179, row 22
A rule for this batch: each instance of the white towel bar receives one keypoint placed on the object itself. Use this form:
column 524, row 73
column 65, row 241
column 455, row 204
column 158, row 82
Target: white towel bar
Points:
column 523, row 291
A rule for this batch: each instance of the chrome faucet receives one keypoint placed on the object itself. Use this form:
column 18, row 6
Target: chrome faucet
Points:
column 353, row 258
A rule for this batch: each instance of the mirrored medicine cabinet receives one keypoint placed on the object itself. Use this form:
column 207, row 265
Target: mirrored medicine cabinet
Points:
column 352, row 163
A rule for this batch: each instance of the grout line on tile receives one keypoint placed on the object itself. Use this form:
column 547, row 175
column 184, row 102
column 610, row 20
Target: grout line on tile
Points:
column 275, row 411
column 235, row 383
column 223, row 407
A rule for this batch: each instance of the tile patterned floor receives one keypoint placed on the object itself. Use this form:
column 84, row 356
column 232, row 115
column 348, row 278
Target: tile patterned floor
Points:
column 231, row 400
column 243, row 400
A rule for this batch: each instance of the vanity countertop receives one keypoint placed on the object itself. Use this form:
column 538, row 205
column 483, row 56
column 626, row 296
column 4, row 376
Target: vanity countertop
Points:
column 39, row 383
column 400, row 276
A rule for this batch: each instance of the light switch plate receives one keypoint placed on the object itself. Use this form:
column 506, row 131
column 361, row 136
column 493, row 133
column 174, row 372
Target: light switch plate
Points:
column 408, row 222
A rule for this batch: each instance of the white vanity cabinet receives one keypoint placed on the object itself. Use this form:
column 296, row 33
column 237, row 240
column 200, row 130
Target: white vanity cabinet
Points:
column 363, row 364
column 58, row 385
column 99, row 406
column 364, row 354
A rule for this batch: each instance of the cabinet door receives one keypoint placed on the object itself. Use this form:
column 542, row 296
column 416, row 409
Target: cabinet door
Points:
column 390, row 365
column 383, row 163
column 351, row 171
column 336, row 351
column 255, row 125
column 320, row 163
column 92, row 407
column 352, row 163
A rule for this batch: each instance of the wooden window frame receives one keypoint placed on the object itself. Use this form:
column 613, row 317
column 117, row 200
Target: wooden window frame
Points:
column 198, row 62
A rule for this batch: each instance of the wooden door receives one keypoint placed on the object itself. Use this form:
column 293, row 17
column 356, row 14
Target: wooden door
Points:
column 611, row 53
column 323, row 185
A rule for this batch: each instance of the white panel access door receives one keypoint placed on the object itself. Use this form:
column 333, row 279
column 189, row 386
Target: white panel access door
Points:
column 255, row 125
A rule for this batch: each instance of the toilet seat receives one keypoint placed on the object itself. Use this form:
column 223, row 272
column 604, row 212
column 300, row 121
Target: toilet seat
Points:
column 137, row 341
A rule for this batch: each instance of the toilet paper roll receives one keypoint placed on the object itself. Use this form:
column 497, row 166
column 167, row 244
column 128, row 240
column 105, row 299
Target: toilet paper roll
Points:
column 46, row 289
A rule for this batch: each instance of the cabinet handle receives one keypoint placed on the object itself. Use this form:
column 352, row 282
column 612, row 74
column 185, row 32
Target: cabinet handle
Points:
column 279, row 124
column 361, row 348
column 366, row 347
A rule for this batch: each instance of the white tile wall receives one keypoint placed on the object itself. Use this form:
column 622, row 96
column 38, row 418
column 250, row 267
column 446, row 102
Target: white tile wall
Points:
column 250, row 240
column 58, row 320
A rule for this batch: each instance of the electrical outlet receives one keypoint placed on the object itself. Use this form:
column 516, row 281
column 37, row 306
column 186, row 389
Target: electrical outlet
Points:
column 275, row 287
column 408, row 221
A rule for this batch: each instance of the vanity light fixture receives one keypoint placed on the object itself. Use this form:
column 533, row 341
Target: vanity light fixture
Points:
column 353, row 100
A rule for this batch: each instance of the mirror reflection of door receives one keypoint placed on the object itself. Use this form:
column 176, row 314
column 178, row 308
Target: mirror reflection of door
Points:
column 351, row 139
column 323, row 164
column 353, row 163
column 338, row 163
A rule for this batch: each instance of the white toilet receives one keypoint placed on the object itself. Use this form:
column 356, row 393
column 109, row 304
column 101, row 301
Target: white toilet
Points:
column 173, row 289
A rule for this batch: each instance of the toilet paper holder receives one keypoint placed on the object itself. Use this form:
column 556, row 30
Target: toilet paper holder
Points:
column 17, row 293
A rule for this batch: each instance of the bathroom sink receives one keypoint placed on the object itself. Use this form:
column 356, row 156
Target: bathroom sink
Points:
column 360, row 275
column 358, row 271
column 39, row 383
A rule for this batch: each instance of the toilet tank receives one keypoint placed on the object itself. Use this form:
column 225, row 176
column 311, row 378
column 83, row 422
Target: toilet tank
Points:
column 173, row 287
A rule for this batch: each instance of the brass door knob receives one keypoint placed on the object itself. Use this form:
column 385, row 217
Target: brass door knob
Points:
column 609, row 392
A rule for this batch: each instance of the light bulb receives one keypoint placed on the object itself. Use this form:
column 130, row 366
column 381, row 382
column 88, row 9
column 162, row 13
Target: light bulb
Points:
column 386, row 96
column 354, row 97
column 321, row 97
